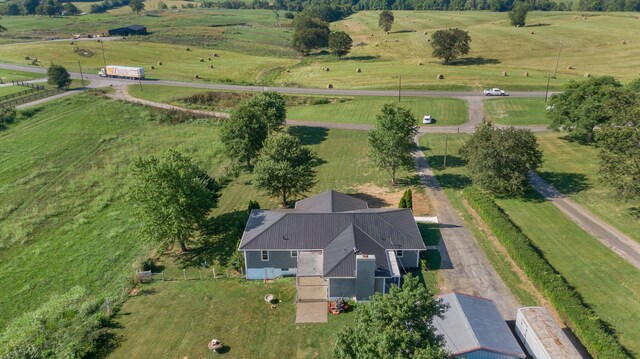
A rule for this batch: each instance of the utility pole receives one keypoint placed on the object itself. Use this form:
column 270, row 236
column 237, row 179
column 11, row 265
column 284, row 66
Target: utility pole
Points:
column 81, row 76
column 446, row 148
column 140, row 82
column 546, row 95
column 103, row 56
column 558, row 60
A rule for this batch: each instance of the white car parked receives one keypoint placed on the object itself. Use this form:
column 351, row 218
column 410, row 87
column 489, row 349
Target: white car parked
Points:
column 427, row 119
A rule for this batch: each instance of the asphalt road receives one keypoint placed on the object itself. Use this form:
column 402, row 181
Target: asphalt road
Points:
column 97, row 81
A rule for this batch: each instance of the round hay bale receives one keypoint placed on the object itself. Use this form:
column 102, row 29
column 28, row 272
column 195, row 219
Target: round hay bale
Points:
column 358, row 70
column 570, row 67
column 429, row 19
column 160, row 63
column 371, row 34
column 426, row 33
column 397, row 40
column 197, row 76
column 377, row 44
column 188, row 49
column 493, row 23
column 587, row 75
column 201, row 59
column 215, row 54
column 386, row 40
column 428, row 40
column 575, row 17
column 440, row 77
column 624, row 42
column 153, row 67
column 210, row 66
column 420, row 64
column 329, row 86
column 504, row 73
column 209, row 58
column 532, row 32
column 326, row 69
column 517, row 25
column 288, row 70
column 526, row 74
column 72, row 43
column 27, row 58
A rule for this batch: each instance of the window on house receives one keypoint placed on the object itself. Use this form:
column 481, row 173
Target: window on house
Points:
column 399, row 254
column 294, row 254
column 265, row 255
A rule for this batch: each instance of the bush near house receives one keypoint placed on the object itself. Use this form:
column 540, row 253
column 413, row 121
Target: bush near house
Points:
column 584, row 322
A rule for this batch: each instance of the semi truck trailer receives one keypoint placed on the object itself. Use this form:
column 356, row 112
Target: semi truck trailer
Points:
column 122, row 72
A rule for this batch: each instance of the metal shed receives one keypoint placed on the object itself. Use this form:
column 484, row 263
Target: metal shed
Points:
column 542, row 336
column 128, row 30
column 473, row 329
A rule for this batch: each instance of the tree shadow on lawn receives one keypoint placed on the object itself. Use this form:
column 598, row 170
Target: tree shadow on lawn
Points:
column 452, row 161
column 635, row 212
column 454, row 181
column 567, row 183
column 467, row 61
column 217, row 242
column 361, row 58
column 537, row 25
column 309, row 135
column 372, row 201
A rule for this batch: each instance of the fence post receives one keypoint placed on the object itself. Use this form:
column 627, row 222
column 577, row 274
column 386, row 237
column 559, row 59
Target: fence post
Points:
column 214, row 272
column 184, row 272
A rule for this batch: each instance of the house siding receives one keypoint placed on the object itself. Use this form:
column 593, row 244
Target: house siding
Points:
column 342, row 287
column 409, row 259
column 485, row 354
column 277, row 259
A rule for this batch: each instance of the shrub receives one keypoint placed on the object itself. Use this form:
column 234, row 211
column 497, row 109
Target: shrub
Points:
column 7, row 116
column 584, row 322
column 288, row 15
column 320, row 101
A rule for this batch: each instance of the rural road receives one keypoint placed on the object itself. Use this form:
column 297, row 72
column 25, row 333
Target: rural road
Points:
column 97, row 81
column 464, row 267
column 615, row 240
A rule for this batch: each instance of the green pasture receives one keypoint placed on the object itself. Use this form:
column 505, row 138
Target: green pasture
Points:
column 63, row 177
column 573, row 169
column 592, row 268
column 501, row 55
column 8, row 75
column 516, row 111
column 9, row 90
column 357, row 109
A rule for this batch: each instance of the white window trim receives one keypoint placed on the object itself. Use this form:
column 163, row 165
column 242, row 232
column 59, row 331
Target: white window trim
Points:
column 294, row 256
column 262, row 256
column 399, row 253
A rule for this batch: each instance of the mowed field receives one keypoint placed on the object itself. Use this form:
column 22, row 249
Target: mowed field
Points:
column 259, row 51
column 8, row 75
column 516, row 111
column 594, row 270
column 357, row 109
column 63, row 180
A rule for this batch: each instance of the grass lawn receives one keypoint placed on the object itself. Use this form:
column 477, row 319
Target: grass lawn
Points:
column 593, row 269
column 8, row 75
column 516, row 111
column 9, row 90
column 573, row 169
column 255, row 49
column 177, row 319
column 63, row 178
column 446, row 111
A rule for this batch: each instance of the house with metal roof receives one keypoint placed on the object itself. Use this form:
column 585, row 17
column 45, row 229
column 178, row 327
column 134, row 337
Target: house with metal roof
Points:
column 354, row 249
column 473, row 328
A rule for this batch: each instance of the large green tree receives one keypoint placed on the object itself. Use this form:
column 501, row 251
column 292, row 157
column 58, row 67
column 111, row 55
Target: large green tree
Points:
column 385, row 20
column 243, row 135
column 499, row 160
column 450, row 44
column 285, row 167
column 340, row 43
column 136, row 6
column 584, row 105
column 391, row 142
column 272, row 108
column 70, row 9
column 518, row 15
column 398, row 324
column 309, row 33
column 49, row 8
column 172, row 197
column 58, row 76
column 619, row 143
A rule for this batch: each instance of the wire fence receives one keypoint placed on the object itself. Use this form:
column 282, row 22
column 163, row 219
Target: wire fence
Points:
column 188, row 274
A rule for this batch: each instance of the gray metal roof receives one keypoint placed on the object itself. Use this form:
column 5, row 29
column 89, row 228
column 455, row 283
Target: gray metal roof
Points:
column 367, row 230
column 474, row 323
column 331, row 202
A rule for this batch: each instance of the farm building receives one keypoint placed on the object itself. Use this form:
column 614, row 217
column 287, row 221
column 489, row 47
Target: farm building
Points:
column 542, row 336
column 473, row 329
column 128, row 30
column 334, row 243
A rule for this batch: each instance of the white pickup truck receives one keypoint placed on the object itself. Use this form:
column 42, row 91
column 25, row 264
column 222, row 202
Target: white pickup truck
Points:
column 495, row 92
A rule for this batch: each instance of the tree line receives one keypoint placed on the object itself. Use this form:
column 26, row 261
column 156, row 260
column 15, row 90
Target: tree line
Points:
column 54, row 7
